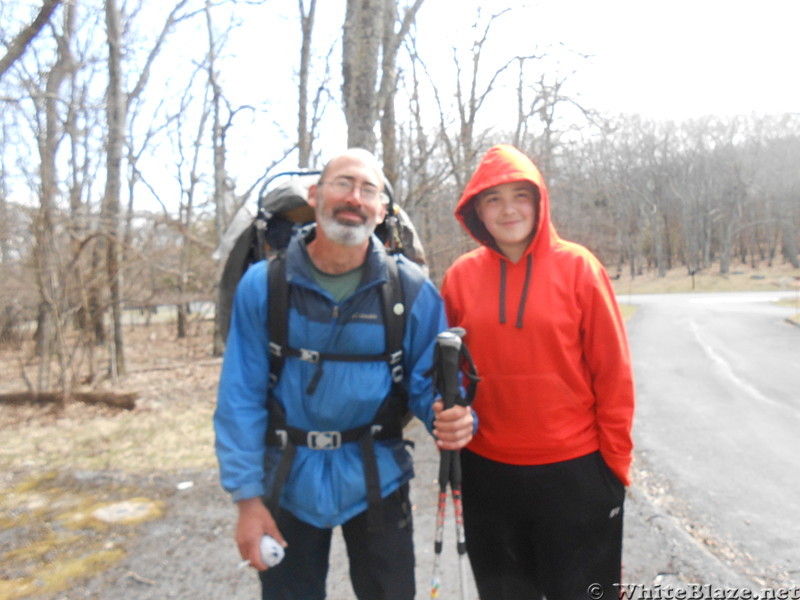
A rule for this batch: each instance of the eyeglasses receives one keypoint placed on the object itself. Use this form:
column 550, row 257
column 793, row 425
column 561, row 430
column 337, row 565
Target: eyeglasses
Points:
column 343, row 187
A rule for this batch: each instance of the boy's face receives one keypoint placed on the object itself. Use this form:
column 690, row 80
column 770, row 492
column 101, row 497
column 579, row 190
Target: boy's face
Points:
column 509, row 212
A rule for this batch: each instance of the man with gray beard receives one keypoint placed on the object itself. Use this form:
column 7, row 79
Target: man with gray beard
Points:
column 313, row 448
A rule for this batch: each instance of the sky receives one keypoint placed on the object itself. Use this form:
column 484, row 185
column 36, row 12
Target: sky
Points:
column 676, row 59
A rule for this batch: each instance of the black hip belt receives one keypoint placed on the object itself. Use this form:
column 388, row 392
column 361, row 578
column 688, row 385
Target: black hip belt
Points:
column 327, row 440
column 387, row 425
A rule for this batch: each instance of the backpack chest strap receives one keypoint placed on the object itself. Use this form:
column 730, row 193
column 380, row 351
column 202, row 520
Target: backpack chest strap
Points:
column 394, row 360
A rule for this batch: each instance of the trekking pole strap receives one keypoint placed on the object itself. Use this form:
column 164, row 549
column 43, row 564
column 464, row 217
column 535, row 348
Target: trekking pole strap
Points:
column 471, row 375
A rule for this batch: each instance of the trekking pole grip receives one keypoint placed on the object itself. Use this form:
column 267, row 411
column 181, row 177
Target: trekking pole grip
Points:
column 449, row 354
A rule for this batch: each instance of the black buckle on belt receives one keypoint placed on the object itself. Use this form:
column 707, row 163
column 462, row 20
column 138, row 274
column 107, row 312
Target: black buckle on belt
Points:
column 324, row 440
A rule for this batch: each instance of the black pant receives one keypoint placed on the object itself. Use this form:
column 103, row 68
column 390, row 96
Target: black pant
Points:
column 381, row 561
column 543, row 530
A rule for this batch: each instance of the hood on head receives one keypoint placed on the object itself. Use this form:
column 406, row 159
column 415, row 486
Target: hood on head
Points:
column 502, row 164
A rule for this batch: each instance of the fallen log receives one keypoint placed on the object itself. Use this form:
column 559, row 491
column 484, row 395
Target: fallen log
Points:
column 126, row 400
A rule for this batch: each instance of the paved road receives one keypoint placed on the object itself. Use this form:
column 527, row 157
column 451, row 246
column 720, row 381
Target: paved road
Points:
column 718, row 420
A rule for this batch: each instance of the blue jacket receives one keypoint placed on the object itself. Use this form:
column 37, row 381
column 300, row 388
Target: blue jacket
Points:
column 325, row 487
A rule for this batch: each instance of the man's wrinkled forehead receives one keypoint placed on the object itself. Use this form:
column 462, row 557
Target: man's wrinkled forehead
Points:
column 351, row 161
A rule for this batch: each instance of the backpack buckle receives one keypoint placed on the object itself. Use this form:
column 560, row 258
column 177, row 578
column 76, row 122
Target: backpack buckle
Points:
column 311, row 356
column 283, row 438
column 324, row 440
column 275, row 349
column 397, row 374
column 396, row 366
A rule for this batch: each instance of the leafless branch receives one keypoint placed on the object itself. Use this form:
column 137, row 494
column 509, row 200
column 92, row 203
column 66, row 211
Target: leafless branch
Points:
column 24, row 37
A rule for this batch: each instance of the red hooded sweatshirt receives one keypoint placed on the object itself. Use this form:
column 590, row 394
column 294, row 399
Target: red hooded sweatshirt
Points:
column 546, row 336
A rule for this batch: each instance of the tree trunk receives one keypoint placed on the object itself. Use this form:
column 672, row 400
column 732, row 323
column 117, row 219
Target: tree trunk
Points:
column 5, row 216
column 304, row 139
column 183, row 320
column 391, row 42
column 790, row 244
column 220, row 178
column 123, row 400
column 361, row 49
column 658, row 241
column 115, row 113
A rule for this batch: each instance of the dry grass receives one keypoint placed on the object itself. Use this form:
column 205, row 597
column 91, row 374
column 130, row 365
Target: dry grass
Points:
column 741, row 278
column 170, row 427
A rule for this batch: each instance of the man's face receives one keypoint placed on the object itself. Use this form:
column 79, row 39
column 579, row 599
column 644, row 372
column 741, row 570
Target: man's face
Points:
column 348, row 201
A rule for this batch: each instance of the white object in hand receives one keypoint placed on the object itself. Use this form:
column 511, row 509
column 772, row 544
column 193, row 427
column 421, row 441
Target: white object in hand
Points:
column 271, row 551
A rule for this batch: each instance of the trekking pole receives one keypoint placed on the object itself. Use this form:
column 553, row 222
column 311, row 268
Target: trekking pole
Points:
column 448, row 352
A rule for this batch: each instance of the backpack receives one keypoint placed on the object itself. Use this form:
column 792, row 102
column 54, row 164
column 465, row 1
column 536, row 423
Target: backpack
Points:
column 281, row 212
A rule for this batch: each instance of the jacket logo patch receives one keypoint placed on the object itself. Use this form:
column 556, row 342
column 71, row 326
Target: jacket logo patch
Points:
column 365, row 316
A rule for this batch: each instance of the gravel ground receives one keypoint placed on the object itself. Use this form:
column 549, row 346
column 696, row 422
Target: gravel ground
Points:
column 190, row 553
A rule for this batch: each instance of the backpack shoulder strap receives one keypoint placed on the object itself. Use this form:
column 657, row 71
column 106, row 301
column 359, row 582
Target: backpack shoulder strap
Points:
column 394, row 317
column 277, row 315
column 392, row 307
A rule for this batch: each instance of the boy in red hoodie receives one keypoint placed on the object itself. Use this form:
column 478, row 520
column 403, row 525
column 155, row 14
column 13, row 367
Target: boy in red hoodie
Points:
column 545, row 475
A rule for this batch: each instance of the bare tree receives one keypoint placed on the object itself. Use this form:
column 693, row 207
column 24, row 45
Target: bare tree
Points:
column 441, row 161
column 464, row 145
column 391, row 42
column 5, row 213
column 21, row 41
column 424, row 183
column 45, row 252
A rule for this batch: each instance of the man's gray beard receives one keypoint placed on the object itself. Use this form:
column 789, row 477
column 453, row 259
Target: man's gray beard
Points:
column 346, row 235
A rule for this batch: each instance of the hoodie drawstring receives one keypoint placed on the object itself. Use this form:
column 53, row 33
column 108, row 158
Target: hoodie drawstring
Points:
column 523, row 299
column 502, row 291
column 521, row 311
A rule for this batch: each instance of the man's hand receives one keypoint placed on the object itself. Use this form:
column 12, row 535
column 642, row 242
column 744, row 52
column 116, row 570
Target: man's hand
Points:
column 452, row 427
column 255, row 521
